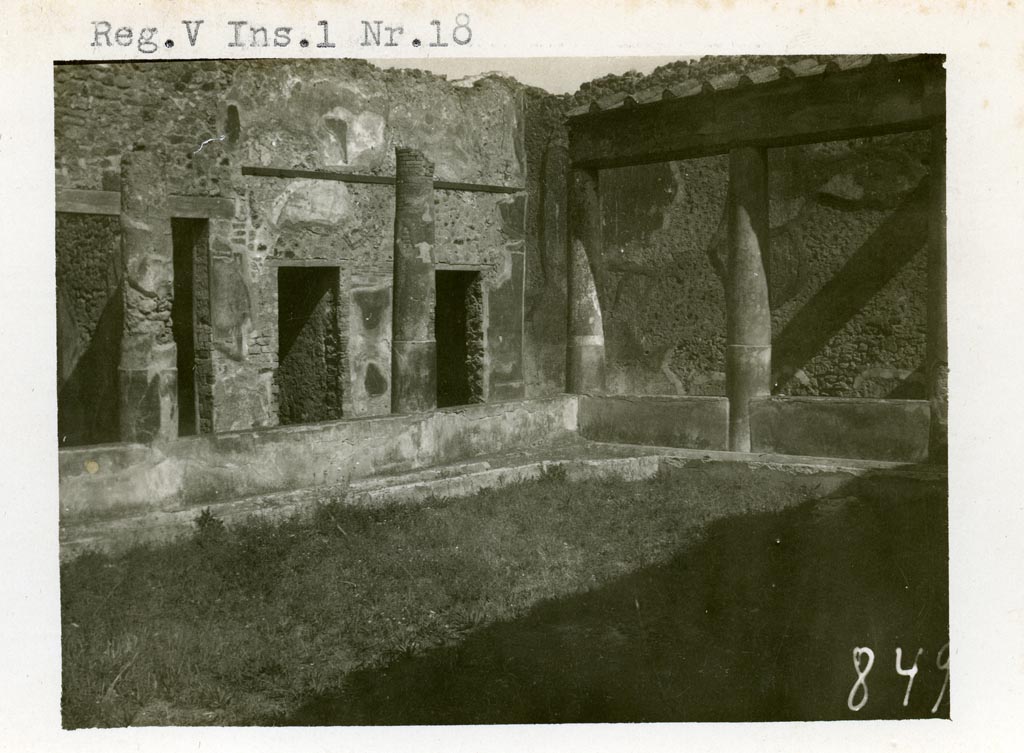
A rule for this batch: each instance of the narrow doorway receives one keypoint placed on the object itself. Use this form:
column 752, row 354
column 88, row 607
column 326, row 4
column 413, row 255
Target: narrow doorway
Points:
column 309, row 347
column 190, row 311
column 459, row 332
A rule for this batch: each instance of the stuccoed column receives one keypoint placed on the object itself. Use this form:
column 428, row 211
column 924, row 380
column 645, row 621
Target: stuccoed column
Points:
column 748, row 354
column 585, row 362
column 147, row 371
column 413, row 346
column 937, row 355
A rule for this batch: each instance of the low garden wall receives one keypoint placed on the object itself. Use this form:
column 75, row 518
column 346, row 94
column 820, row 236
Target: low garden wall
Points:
column 118, row 479
column 831, row 427
column 825, row 427
column 700, row 423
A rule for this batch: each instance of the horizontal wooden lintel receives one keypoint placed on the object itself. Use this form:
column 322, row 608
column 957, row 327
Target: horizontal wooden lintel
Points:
column 385, row 180
column 78, row 201
column 456, row 267
column 871, row 101
column 285, row 262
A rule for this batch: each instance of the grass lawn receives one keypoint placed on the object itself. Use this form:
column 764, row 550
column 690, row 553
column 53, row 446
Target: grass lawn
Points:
column 275, row 622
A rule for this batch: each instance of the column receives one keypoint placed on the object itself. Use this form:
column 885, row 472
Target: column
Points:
column 413, row 347
column 585, row 362
column 148, row 367
column 748, row 317
column 937, row 356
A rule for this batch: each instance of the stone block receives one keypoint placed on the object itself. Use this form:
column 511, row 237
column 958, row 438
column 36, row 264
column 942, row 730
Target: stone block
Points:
column 894, row 430
column 691, row 422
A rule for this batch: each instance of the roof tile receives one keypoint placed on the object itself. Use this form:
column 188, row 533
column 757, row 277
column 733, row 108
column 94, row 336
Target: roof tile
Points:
column 804, row 68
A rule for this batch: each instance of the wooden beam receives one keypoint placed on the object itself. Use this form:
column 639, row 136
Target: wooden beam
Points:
column 385, row 180
column 887, row 98
column 302, row 262
column 76, row 201
column 202, row 207
column 73, row 201
column 285, row 172
column 448, row 185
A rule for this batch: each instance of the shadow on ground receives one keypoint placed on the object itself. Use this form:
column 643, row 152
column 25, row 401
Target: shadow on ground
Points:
column 758, row 622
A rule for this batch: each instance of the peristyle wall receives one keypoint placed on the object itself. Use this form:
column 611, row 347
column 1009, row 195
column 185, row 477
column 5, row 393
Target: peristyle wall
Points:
column 210, row 119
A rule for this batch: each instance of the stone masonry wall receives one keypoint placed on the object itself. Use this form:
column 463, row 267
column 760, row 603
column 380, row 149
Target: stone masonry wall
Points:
column 848, row 269
column 211, row 118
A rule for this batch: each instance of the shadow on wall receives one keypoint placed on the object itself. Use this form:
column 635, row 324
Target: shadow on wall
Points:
column 869, row 269
column 90, row 316
column 87, row 399
column 756, row 622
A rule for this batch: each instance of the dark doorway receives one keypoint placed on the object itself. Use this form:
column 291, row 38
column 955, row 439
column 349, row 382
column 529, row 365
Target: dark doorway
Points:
column 309, row 355
column 190, row 324
column 458, row 329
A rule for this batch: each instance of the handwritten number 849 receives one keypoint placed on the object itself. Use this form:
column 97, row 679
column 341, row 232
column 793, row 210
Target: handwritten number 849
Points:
column 864, row 659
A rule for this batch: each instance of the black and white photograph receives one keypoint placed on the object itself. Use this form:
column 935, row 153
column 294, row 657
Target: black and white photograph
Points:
column 394, row 385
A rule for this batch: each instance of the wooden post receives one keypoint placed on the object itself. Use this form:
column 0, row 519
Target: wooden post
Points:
column 413, row 345
column 147, row 371
column 748, row 316
column 937, row 355
column 585, row 361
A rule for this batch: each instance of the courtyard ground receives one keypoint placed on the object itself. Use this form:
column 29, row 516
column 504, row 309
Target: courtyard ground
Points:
column 678, row 598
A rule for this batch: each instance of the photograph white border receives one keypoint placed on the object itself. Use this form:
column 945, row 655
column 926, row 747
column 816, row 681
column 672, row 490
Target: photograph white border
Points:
column 984, row 45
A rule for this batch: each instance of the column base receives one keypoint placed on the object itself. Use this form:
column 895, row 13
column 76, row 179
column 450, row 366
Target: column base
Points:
column 149, row 405
column 748, row 373
column 585, row 369
column 413, row 376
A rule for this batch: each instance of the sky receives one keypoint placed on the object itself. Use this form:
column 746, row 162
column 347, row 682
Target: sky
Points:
column 557, row 75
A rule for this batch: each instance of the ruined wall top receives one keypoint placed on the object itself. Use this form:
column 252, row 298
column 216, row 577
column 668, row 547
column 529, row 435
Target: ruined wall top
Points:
column 213, row 117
